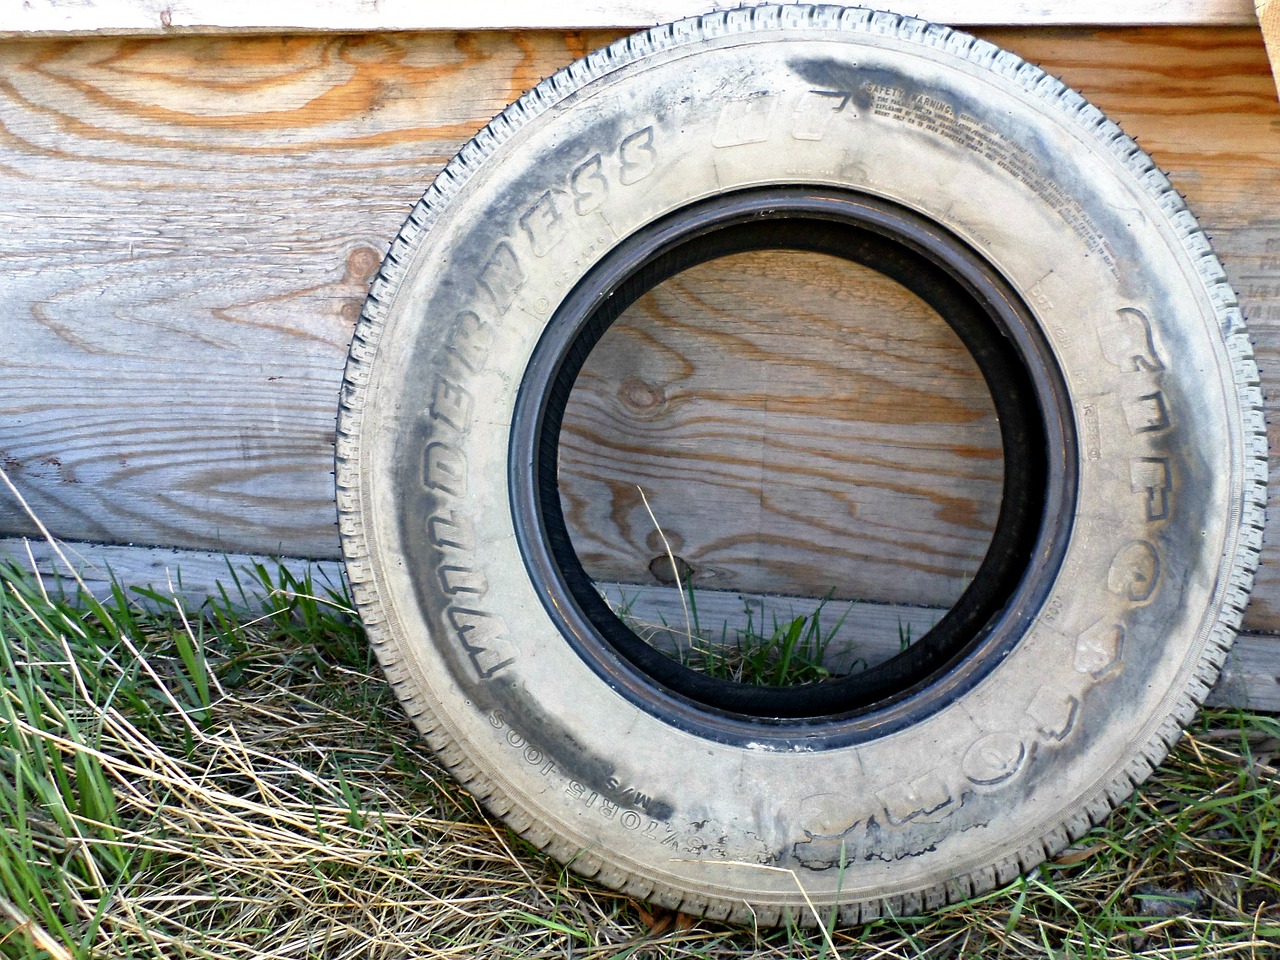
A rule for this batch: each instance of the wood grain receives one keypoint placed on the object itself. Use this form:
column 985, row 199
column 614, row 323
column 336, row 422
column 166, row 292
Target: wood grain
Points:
column 163, row 17
column 799, row 424
column 187, row 226
column 187, row 229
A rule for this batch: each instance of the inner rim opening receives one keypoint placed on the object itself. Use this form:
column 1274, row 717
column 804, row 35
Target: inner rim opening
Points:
column 780, row 467
column 893, row 242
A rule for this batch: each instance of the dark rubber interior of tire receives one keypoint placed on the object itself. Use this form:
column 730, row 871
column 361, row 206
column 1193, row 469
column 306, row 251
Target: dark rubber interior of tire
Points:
column 1027, row 390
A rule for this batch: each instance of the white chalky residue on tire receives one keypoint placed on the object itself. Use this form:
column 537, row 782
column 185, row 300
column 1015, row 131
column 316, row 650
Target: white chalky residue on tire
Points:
column 1072, row 214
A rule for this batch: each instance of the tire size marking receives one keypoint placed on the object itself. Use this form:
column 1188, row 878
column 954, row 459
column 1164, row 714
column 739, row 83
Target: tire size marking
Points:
column 530, row 753
column 624, row 805
column 632, row 817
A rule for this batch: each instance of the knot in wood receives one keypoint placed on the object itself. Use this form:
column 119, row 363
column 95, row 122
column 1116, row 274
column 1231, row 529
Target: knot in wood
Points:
column 362, row 262
column 641, row 396
column 663, row 571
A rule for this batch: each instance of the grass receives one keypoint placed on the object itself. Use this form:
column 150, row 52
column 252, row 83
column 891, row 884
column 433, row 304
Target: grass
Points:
column 791, row 655
column 211, row 783
column 792, row 652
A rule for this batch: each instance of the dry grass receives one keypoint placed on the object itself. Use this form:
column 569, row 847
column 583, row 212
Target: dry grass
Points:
column 223, row 786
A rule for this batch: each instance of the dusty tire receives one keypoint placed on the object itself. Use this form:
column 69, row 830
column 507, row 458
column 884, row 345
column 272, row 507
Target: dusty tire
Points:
column 1013, row 742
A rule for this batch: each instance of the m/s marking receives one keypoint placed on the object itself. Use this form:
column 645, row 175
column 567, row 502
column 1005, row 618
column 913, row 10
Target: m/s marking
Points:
column 626, row 806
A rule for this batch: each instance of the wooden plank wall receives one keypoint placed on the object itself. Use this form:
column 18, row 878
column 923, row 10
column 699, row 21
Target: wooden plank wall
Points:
column 799, row 425
column 158, row 17
column 188, row 225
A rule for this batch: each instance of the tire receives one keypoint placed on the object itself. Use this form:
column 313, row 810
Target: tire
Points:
column 1114, row 342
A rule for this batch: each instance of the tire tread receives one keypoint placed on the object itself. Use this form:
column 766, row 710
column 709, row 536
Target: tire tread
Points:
column 1162, row 732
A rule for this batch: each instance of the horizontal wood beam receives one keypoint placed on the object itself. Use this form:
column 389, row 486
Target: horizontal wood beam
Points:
column 1249, row 680
column 47, row 18
column 191, row 576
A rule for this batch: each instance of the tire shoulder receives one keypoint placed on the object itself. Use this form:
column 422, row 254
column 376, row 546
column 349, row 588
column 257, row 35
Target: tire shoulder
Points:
column 1052, row 93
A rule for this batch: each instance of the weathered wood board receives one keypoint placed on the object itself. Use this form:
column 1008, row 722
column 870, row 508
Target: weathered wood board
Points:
column 152, row 577
column 798, row 424
column 187, row 230
column 187, row 226
column 163, row 17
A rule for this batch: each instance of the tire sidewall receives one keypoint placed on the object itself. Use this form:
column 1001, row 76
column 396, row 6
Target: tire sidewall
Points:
column 1066, row 222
